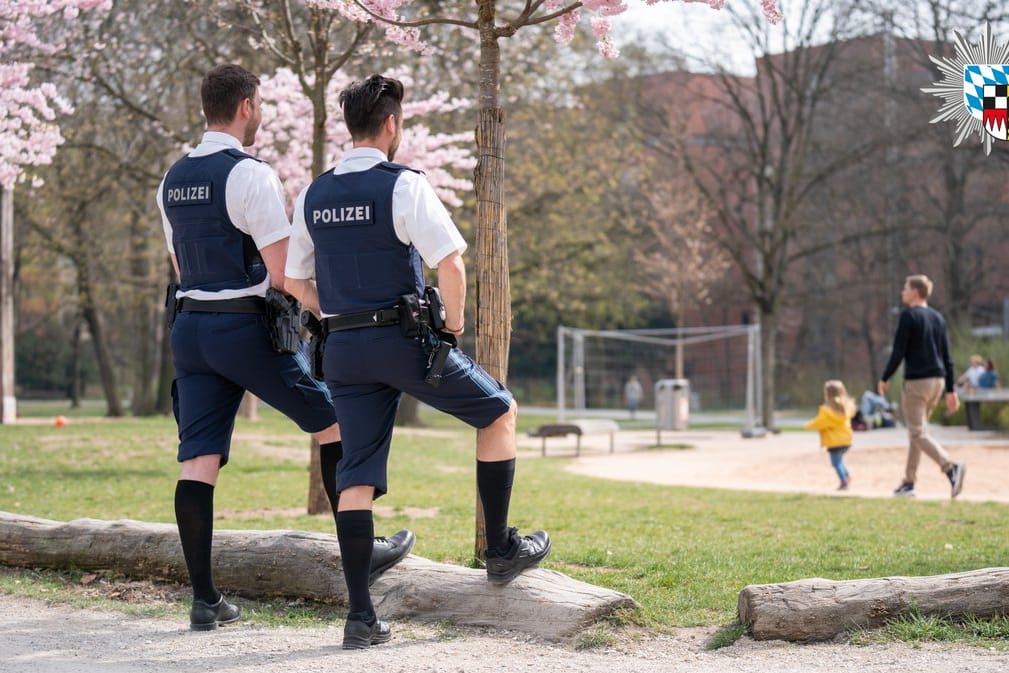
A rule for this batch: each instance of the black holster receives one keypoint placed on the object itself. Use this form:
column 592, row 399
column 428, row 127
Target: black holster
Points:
column 316, row 343
column 171, row 304
column 282, row 313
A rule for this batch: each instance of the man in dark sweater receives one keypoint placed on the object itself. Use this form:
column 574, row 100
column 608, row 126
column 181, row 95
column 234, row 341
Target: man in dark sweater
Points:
column 922, row 343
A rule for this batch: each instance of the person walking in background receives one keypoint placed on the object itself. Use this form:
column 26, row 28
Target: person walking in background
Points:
column 632, row 394
column 922, row 344
column 833, row 420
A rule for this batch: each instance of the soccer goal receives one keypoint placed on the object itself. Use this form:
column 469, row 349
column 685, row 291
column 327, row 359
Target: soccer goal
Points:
column 721, row 363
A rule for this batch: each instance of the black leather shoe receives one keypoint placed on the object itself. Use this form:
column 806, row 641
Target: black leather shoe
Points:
column 207, row 617
column 359, row 635
column 525, row 552
column 389, row 551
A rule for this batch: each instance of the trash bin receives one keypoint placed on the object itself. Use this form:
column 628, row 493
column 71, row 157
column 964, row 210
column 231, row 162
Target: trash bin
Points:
column 672, row 403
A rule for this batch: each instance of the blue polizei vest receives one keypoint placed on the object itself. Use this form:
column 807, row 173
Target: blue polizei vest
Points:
column 360, row 264
column 213, row 255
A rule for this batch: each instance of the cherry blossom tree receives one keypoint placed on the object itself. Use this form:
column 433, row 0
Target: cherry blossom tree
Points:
column 29, row 134
column 403, row 24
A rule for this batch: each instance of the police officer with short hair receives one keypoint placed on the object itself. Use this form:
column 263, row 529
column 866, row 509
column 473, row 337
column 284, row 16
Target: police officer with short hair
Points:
column 360, row 234
column 227, row 230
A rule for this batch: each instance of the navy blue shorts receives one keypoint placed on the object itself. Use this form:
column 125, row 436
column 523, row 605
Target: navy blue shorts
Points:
column 367, row 369
column 218, row 356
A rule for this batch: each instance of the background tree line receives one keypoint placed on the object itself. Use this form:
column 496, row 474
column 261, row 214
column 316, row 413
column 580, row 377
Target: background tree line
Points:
column 639, row 195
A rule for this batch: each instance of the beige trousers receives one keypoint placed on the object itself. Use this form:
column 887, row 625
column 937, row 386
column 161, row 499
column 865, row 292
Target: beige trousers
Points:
column 919, row 398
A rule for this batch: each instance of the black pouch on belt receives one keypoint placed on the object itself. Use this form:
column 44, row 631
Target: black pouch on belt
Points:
column 411, row 317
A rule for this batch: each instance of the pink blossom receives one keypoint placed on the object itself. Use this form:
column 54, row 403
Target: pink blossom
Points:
column 607, row 49
column 566, row 27
column 285, row 138
column 386, row 14
column 29, row 135
column 600, row 26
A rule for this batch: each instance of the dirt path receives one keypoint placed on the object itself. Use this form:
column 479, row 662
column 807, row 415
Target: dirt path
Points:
column 790, row 462
column 36, row 638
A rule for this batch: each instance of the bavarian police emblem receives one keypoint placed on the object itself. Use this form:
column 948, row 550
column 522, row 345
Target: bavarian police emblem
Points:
column 975, row 88
column 984, row 94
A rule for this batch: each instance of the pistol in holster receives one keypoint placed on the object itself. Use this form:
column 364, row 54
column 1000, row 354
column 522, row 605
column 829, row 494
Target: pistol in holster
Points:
column 316, row 344
column 171, row 304
column 282, row 313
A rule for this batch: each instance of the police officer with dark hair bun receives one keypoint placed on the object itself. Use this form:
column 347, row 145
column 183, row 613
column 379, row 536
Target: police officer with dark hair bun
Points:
column 227, row 231
column 361, row 232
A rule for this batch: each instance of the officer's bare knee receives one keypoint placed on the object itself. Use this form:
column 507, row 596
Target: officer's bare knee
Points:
column 506, row 421
column 329, row 435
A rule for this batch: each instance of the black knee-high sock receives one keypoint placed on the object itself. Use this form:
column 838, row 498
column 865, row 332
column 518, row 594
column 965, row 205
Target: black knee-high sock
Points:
column 194, row 513
column 494, row 483
column 355, row 530
column 329, row 455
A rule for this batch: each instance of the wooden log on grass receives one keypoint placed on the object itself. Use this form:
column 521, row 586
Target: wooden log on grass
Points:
column 299, row 564
column 819, row 609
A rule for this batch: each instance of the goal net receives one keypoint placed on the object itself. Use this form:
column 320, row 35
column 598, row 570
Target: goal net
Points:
column 721, row 365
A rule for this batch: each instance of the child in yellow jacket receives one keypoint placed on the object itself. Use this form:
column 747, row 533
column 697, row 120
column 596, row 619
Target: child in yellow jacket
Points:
column 833, row 420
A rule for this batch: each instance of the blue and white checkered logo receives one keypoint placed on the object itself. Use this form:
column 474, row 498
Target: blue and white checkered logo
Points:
column 979, row 82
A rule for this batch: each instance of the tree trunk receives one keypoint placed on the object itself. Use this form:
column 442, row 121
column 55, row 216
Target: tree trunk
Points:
column 819, row 609
column 142, row 319
column 76, row 390
column 408, row 413
column 105, row 370
column 249, row 408
column 493, row 296
column 8, row 400
column 297, row 564
column 318, row 501
column 166, row 369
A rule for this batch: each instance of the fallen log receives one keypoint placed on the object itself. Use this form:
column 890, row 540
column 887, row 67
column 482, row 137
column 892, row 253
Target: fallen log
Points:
column 299, row 564
column 819, row 609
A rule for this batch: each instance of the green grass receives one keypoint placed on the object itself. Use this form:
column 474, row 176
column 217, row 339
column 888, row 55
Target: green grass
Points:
column 682, row 553
column 916, row 628
column 726, row 636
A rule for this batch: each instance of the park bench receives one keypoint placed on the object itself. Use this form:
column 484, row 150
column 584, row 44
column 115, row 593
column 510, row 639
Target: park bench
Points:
column 578, row 428
column 973, row 400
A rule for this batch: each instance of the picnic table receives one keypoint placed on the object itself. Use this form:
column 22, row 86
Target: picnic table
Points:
column 972, row 401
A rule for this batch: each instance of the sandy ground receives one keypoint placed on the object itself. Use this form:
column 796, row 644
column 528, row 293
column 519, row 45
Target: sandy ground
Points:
column 789, row 462
column 36, row 637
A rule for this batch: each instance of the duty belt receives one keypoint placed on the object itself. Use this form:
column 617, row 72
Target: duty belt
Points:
column 239, row 305
column 380, row 318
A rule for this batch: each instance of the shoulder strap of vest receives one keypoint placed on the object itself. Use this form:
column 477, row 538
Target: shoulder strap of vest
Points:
column 238, row 155
column 390, row 167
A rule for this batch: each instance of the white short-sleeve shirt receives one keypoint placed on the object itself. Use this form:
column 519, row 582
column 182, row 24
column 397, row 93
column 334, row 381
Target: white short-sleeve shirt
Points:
column 255, row 201
column 419, row 218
